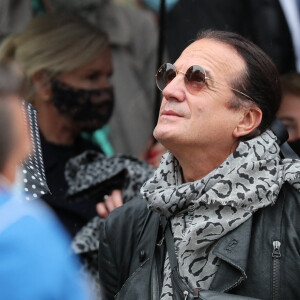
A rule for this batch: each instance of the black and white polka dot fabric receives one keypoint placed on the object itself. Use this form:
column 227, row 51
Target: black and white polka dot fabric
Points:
column 33, row 170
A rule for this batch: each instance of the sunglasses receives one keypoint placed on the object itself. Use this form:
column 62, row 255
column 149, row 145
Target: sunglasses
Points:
column 194, row 78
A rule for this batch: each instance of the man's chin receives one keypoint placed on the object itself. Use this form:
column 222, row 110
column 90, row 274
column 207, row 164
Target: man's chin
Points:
column 164, row 136
column 159, row 133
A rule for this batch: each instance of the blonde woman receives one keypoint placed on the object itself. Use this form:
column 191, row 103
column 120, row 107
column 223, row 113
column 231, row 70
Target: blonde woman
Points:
column 67, row 66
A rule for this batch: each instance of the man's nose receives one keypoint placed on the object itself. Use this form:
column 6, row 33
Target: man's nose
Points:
column 175, row 89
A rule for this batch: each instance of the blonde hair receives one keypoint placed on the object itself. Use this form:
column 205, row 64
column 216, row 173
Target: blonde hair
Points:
column 54, row 43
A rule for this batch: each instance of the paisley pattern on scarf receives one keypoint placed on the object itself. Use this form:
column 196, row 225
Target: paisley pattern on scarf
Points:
column 203, row 211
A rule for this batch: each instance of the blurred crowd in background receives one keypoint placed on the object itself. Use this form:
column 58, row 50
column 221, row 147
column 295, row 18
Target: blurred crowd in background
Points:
column 87, row 69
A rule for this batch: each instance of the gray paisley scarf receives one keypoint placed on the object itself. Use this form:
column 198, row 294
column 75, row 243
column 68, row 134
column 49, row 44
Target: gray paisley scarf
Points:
column 203, row 211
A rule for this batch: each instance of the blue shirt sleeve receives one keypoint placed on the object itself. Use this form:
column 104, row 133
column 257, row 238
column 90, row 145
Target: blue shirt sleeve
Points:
column 36, row 261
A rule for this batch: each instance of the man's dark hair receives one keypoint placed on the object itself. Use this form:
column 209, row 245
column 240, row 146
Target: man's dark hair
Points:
column 260, row 80
column 10, row 84
column 11, row 79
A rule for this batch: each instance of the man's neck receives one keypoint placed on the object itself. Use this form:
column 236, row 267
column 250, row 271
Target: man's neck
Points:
column 8, row 172
column 197, row 164
column 6, row 180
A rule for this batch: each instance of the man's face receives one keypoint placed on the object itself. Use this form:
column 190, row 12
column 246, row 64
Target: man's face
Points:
column 203, row 120
column 19, row 132
column 22, row 133
column 289, row 114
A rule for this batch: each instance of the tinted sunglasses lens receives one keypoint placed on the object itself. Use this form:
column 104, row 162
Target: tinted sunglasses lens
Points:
column 165, row 74
column 194, row 78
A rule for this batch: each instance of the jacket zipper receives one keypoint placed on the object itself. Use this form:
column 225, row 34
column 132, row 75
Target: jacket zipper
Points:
column 185, row 294
column 276, row 255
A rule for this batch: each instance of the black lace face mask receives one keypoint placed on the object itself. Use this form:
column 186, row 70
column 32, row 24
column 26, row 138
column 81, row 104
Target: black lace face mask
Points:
column 90, row 109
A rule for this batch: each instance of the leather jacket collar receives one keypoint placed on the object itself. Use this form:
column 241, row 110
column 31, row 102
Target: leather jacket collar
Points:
column 233, row 250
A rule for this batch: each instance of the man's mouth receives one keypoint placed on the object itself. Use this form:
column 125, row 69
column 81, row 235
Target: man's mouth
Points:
column 170, row 113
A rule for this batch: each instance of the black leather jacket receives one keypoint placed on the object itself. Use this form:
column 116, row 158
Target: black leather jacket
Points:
column 260, row 258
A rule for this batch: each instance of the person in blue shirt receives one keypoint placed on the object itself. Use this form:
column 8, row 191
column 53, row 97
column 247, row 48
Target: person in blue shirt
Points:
column 36, row 262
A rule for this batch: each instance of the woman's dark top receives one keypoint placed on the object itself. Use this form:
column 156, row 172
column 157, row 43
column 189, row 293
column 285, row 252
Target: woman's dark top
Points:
column 72, row 215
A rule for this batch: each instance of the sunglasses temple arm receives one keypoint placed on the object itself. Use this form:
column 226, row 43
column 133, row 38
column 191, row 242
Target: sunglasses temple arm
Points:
column 239, row 92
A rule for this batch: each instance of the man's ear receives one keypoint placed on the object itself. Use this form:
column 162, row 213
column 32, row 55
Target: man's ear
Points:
column 42, row 85
column 250, row 120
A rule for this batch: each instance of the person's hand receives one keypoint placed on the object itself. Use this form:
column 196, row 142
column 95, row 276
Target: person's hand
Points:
column 110, row 203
